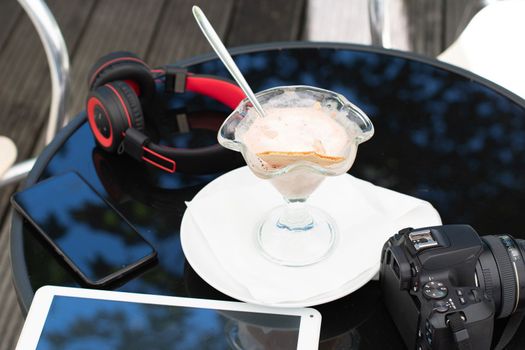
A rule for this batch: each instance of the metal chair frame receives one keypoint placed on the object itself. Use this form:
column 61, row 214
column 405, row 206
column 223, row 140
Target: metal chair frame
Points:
column 58, row 61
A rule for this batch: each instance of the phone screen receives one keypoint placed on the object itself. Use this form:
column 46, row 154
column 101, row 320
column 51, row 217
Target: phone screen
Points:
column 92, row 236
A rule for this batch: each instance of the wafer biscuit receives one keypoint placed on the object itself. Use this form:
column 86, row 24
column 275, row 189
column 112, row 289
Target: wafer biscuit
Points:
column 279, row 159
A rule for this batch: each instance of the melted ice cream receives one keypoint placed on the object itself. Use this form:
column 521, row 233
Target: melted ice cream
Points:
column 296, row 130
column 301, row 130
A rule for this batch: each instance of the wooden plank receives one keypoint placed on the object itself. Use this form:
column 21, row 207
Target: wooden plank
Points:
column 335, row 21
column 13, row 331
column 425, row 18
column 25, row 77
column 10, row 13
column 457, row 15
column 410, row 25
column 11, row 319
column 265, row 21
column 24, row 67
column 178, row 35
column 114, row 25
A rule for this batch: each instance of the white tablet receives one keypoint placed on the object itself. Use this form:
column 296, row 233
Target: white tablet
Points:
column 75, row 318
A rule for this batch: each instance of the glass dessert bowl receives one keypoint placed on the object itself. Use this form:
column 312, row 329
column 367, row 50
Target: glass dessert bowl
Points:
column 306, row 134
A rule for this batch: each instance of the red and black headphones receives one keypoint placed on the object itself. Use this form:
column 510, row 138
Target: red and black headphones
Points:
column 122, row 86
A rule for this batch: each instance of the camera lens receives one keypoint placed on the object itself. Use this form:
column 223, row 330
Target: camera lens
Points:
column 500, row 271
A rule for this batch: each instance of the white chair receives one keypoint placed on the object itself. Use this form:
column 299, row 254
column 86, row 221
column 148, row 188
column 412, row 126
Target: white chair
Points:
column 7, row 154
column 492, row 45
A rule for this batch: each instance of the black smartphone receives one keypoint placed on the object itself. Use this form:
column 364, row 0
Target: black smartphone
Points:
column 87, row 232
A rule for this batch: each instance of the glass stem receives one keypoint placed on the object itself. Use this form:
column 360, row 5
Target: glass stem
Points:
column 296, row 216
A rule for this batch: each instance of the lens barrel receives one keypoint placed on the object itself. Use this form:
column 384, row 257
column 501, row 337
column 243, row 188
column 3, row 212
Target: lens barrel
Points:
column 501, row 272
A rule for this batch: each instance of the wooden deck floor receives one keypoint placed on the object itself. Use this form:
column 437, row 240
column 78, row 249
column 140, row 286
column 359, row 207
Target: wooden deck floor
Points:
column 163, row 31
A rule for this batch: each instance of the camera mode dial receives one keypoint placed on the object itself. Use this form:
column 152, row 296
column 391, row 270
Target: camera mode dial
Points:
column 435, row 290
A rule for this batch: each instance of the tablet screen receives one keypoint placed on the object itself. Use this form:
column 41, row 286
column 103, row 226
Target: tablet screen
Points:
column 83, row 323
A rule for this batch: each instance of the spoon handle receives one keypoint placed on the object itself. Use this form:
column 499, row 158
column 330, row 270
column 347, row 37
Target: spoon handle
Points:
column 225, row 57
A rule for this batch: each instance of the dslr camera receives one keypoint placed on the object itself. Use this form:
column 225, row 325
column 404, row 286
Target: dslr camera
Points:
column 445, row 285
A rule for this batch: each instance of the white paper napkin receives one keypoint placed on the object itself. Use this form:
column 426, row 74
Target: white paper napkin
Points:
column 366, row 216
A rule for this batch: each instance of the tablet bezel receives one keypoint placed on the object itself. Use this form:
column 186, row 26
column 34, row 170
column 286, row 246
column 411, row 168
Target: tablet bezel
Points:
column 309, row 328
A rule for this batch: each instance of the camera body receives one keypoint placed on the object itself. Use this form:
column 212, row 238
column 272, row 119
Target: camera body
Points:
column 430, row 287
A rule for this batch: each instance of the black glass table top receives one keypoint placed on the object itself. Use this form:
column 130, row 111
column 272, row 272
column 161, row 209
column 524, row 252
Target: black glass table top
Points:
column 442, row 135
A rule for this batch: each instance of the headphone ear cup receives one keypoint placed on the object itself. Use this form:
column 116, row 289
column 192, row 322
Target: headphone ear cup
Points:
column 111, row 110
column 122, row 65
column 104, row 120
column 131, row 104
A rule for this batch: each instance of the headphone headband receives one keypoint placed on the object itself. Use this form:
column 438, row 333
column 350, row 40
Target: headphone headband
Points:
column 179, row 80
column 115, row 111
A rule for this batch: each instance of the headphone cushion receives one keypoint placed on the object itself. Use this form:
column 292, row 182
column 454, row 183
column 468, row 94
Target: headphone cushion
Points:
column 111, row 110
column 122, row 65
column 131, row 104
column 105, row 118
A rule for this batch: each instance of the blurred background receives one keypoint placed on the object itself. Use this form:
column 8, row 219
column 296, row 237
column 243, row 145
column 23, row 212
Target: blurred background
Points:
column 163, row 31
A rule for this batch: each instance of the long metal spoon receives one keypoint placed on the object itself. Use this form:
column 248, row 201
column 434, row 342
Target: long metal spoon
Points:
column 225, row 57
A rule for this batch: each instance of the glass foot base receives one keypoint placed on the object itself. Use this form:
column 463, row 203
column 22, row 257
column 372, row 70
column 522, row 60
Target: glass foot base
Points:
column 297, row 245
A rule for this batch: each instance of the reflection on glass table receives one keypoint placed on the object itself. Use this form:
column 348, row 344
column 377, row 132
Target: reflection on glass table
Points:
column 444, row 136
